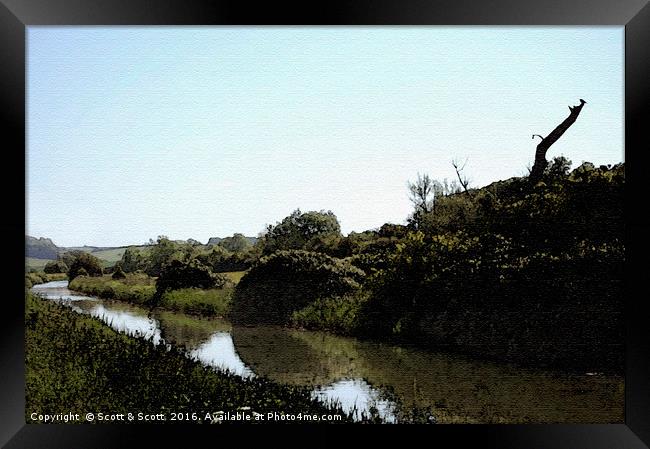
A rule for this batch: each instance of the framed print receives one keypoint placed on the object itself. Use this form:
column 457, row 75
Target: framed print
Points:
column 422, row 218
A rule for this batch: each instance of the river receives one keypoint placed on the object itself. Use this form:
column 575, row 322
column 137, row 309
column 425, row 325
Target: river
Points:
column 361, row 374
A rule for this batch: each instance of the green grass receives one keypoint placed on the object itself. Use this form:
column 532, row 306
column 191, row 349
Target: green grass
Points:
column 37, row 264
column 136, row 288
column 115, row 254
column 194, row 301
column 40, row 277
column 234, row 276
column 76, row 364
column 140, row 288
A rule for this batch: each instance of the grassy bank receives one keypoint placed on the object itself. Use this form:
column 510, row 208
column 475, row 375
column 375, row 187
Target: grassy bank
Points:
column 40, row 277
column 135, row 288
column 139, row 288
column 75, row 363
column 194, row 301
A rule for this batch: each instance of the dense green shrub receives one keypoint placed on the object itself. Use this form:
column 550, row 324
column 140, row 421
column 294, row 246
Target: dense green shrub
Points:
column 118, row 273
column 338, row 314
column 193, row 274
column 132, row 260
column 287, row 281
column 56, row 266
column 309, row 230
column 84, row 262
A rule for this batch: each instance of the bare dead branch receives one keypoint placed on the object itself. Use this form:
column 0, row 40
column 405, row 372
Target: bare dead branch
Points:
column 462, row 179
column 545, row 144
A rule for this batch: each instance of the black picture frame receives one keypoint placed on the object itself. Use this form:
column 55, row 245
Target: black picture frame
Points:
column 16, row 15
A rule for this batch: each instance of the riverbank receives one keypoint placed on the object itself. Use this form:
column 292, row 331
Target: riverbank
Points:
column 78, row 364
column 40, row 277
column 140, row 289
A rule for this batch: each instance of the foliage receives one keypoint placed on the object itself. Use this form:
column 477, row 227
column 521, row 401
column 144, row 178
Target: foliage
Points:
column 287, row 281
column 523, row 273
column 236, row 244
column 40, row 277
column 193, row 274
column 338, row 314
column 118, row 273
column 160, row 254
column 55, row 266
column 135, row 288
column 301, row 231
column 85, row 262
column 69, row 256
column 195, row 301
column 132, row 260
column 221, row 260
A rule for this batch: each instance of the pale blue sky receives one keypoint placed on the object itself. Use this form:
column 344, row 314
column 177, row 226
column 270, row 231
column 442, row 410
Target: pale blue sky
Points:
column 206, row 131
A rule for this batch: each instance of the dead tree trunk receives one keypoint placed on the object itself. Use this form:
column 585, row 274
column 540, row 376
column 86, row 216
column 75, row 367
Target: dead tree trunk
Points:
column 540, row 154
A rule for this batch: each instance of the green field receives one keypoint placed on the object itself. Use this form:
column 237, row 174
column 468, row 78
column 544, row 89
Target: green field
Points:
column 107, row 256
column 114, row 254
column 37, row 264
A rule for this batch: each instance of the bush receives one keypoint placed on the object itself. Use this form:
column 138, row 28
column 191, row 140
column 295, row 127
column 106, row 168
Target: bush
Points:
column 56, row 266
column 178, row 274
column 289, row 280
column 338, row 314
column 85, row 264
column 118, row 274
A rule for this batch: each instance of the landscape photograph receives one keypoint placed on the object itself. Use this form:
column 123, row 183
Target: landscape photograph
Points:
column 359, row 225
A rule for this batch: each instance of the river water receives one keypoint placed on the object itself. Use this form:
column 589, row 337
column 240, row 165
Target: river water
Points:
column 361, row 374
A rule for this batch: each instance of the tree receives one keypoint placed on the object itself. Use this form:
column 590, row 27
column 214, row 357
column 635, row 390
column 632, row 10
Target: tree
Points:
column 55, row 266
column 236, row 244
column 161, row 254
column 132, row 260
column 86, row 262
column 69, row 256
column 464, row 180
column 540, row 154
column 302, row 230
column 422, row 193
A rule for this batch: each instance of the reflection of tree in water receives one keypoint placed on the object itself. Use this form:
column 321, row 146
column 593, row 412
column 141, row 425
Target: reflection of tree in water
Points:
column 277, row 353
column 186, row 330
column 457, row 389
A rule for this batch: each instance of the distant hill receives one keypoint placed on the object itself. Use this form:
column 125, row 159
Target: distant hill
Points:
column 40, row 248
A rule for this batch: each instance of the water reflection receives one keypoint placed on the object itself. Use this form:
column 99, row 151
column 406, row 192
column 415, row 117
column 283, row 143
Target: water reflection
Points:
column 356, row 395
column 120, row 316
column 219, row 351
column 357, row 373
